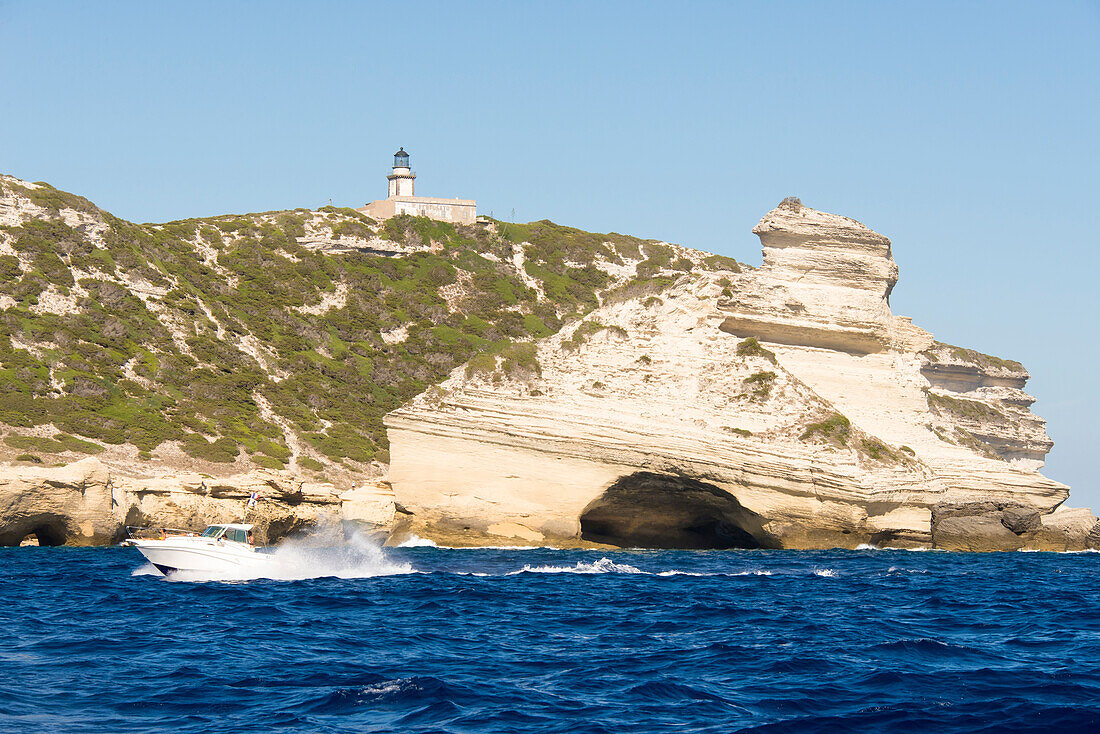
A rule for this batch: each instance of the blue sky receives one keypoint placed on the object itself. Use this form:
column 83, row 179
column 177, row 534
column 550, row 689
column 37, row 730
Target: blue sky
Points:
column 966, row 132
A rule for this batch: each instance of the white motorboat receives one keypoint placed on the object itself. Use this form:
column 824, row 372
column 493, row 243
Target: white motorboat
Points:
column 218, row 549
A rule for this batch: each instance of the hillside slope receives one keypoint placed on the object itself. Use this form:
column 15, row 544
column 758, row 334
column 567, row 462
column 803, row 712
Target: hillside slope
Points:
column 274, row 340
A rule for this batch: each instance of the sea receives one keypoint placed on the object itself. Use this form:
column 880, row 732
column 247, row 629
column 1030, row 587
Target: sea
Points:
column 351, row 637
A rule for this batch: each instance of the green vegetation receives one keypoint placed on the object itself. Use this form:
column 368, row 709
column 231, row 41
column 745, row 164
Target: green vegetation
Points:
column 877, row 450
column 751, row 348
column 59, row 443
column 223, row 450
column 721, row 262
column 308, row 462
column 984, row 361
column 963, row 408
column 29, row 457
column 738, row 431
column 581, row 334
column 834, row 429
column 760, row 384
column 518, row 361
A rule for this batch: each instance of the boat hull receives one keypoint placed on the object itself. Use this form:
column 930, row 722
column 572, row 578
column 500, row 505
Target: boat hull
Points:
column 197, row 554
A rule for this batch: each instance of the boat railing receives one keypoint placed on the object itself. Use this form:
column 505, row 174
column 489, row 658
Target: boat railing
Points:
column 157, row 533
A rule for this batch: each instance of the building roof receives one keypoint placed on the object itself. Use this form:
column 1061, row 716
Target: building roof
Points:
column 401, row 152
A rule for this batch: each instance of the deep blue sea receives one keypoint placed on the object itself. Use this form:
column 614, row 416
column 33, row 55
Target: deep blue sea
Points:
column 434, row 640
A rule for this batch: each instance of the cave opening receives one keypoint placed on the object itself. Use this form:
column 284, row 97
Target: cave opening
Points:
column 44, row 530
column 650, row 510
column 51, row 534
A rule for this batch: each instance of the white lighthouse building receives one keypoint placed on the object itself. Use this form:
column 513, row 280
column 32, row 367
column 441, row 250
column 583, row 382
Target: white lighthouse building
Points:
column 402, row 180
column 402, row 198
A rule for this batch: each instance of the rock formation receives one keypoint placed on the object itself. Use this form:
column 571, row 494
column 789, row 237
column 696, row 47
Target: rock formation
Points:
column 86, row 503
column 779, row 407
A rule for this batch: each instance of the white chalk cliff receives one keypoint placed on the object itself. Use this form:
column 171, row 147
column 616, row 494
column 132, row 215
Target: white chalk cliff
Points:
column 784, row 406
column 89, row 503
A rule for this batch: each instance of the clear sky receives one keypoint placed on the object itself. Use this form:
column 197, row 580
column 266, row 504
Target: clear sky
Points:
column 967, row 132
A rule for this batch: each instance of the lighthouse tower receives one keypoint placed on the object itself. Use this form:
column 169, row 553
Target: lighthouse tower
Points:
column 402, row 178
column 401, row 199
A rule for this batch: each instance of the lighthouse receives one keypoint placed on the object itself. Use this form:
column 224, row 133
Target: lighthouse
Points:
column 402, row 200
column 402, row 179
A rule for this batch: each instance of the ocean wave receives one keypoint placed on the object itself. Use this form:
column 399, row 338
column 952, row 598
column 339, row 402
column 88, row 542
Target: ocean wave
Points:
column 415, row 541
column 604, row 565
column 828, row 573
column 755, row 572
column 1034, row 550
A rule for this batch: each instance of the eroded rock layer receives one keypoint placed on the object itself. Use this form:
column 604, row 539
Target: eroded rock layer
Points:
column 784, row 407
column 87, row 503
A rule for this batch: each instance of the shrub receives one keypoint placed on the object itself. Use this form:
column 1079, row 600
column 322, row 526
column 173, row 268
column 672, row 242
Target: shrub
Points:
column 834, row 429
column 29, row 457
column 518, row 361
column 9, row 268
column 751, row 348
column 581, row 334
column 963, row 408
column 721, row 262
column 268, row 462
column 761, row 384
column 877, row 450
column 984, row 361
column 58, row 444
column 310, row 463
column 223, row 450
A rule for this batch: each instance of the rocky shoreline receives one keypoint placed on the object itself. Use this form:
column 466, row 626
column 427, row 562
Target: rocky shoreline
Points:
column 89, row 503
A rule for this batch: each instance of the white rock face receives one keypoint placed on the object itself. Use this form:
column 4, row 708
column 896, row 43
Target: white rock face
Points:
column 779, row 407
column 87, row 503
column 826, row 282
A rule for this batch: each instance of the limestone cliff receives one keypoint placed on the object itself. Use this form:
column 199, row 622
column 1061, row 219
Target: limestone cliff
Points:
column 779, row 407
column 88, row 503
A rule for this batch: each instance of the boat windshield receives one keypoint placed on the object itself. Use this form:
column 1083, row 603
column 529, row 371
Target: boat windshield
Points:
column 212, row 531
column 236, row 535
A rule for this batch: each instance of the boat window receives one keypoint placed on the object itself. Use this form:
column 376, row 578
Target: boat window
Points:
column 236, row 535
column 211, row 531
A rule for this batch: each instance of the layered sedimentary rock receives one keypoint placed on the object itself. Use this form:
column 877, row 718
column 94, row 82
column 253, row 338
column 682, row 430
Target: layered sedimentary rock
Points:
column 86, row 503
column 779, row 407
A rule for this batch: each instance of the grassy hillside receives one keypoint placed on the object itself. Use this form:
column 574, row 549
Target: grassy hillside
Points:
column 276, row 339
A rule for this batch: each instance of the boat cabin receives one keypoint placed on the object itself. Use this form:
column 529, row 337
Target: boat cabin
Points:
column 232, row 533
